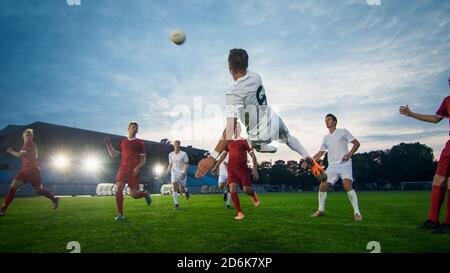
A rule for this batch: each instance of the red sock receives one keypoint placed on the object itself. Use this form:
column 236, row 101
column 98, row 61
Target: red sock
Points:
column 119, row 202
column 236, row 203
column 437, row 197
column 9, row 198
column 447, row 217
column 45, row 193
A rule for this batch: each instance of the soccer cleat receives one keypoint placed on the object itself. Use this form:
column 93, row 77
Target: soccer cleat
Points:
column 255, row 200
column 444, row 228
column 265, row 148
column 318, row 213
column 119, row 218
column 358, row 217
column 148, row 199
column 2, row 212
column 56, row 203
column 240, row 216
column 187, row 195
column 429, row 225
column 228, row 206
column 176, row 206
column 316, row 169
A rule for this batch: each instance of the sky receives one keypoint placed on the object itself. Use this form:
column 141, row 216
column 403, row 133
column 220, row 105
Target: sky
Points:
column 97, row 64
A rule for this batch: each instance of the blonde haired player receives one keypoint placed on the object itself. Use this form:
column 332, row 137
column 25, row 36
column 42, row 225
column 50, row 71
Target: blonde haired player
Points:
column 30, row 172
column 178, row 165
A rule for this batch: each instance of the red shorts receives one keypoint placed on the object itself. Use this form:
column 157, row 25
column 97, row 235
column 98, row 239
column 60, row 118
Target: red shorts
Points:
column 125, row 175
column 32, row 176
column 239, row 175
column 443, row 167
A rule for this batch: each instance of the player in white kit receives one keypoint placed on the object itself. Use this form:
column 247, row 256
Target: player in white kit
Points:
column 246, row 101
column 339, row 164
column 222, row 165
column 178, row 165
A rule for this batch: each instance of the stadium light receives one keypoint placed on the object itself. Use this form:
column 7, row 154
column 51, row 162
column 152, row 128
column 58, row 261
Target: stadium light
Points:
column 91, row 164
column 158, row 169
column 60, row 162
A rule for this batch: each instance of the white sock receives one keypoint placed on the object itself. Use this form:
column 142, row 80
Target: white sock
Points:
column 228, row 198
column 354, row 201
column 322, row 199
column 175, row 197
column 295, row 145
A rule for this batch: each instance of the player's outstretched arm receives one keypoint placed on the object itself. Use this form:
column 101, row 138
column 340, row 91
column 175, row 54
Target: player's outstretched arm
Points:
column 111, row 151
column 221, row 159
column 318, row 155
column 206, row 164
column 14, row 153
column 406, row 111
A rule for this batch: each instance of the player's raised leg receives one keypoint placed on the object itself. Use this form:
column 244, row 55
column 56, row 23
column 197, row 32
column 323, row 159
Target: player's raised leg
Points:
column 15, row 185
column 39, row 190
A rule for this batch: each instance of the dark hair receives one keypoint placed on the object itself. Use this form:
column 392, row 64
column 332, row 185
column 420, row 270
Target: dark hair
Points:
column 238, row 59
column 179, row 142
column 333, row 117
column 133, row 123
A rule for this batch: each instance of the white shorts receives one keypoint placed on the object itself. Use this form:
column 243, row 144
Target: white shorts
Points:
column 223, row 174
column 344, row 171
column 178, row 178
column 276, row 130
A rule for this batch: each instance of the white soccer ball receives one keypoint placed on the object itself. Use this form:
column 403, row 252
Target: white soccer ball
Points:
column 177, row 36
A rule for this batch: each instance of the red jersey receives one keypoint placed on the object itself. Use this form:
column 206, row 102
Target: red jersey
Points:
column 29, row 160
column 131, row 150
column 444, row 109
column 237, row 153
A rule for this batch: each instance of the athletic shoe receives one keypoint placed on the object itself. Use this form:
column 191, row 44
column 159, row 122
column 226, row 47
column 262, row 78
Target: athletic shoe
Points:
column 316, row 169
column 265, row 148
column 228, row 206
column 176, row 206
column 318, row 213
column 148, row 199
column 358, row 217
column 187, row 195
column 240, row 216
column 444, row 228
column 255, row 200
column 119, row 218
column 429, row 225
column 2, row 212
column 56, row 203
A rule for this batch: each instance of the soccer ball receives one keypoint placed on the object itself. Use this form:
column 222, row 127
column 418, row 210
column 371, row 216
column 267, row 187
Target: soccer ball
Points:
column 177, row 36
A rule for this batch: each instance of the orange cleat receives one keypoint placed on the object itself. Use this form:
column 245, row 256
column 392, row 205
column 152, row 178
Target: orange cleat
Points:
column 240, row 216
column 316, row 169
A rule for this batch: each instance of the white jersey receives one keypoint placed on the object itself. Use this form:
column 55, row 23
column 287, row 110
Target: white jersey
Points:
column 337, row 145
column 246, row 100
column 178, row 161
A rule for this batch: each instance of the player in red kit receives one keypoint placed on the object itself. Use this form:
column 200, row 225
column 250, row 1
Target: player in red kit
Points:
column 30, row 172
column 133, row 159
column 441, row 180
column 237, row 150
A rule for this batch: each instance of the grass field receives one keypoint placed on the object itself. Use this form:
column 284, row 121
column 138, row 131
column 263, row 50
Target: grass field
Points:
column 280, row 224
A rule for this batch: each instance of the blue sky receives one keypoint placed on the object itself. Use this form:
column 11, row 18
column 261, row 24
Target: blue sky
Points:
column 103, row 63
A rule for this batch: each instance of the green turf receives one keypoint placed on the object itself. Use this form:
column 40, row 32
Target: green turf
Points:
column 280, row 224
